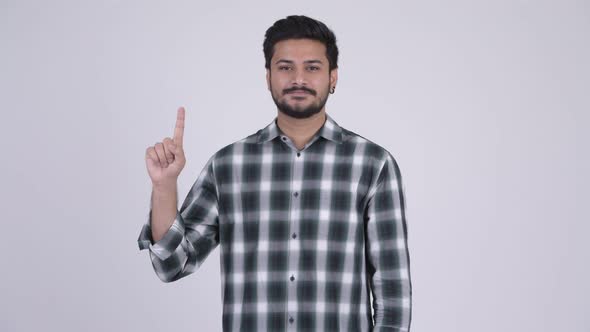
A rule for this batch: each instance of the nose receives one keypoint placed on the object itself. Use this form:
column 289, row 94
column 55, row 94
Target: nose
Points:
column 298, row 77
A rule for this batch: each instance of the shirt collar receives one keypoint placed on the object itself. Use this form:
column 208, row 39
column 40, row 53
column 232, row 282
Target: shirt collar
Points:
column 329, row 130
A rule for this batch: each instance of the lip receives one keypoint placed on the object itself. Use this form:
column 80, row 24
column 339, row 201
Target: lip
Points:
column 299, row 93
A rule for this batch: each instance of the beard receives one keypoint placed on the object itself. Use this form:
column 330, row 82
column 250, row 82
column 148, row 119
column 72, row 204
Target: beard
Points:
column 300, row 112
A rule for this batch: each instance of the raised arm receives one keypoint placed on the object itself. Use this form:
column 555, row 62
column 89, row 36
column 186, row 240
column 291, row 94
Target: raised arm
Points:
column 178, row 241
column 165, row 160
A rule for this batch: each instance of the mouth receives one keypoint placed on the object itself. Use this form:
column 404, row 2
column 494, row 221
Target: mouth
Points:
column 299, row 93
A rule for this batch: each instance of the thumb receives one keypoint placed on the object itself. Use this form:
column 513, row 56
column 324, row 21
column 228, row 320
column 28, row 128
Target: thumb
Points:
column 176, row 150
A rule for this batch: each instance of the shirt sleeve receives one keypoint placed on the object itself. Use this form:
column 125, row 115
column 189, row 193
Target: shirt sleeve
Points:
column 388, row 261
column 193, row 234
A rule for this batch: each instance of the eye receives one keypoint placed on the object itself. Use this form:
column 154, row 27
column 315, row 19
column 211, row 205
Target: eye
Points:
column 314, row 68
column 284, row 67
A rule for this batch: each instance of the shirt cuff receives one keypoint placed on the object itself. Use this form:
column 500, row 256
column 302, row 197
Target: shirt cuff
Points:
column 168, row 244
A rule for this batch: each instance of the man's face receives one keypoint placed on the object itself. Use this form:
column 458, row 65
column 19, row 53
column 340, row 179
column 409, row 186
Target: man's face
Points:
column 299, row 78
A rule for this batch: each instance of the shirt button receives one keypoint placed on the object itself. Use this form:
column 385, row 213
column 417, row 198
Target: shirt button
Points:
column 291, row 320
column 296, row 194
column 284, row 138
column 292, row 278
column 298, row 154
column 294, row 235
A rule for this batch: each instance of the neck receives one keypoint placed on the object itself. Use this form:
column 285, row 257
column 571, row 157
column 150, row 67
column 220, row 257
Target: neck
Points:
column 300, row 131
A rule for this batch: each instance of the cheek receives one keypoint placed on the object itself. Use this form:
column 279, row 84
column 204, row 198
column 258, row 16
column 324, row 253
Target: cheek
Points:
column 320, row 83
column 278, row 86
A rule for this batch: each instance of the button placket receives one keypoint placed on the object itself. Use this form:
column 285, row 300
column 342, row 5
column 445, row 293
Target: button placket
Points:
column 294, row 245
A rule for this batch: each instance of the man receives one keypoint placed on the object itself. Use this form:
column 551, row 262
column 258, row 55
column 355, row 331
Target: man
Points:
column 310, row 217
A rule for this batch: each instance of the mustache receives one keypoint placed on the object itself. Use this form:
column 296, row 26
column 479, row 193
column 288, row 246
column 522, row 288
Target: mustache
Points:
column 299, row 89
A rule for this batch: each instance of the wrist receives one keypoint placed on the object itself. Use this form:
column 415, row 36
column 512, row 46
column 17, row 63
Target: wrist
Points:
column 164, row 187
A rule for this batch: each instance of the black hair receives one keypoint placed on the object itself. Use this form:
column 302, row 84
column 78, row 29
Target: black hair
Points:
column 300, row 27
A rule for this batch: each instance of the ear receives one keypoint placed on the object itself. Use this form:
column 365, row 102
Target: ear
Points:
column 333, row 77
column 268, row 79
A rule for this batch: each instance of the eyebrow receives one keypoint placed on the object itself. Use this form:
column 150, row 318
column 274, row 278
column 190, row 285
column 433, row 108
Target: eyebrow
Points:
column 306, row 61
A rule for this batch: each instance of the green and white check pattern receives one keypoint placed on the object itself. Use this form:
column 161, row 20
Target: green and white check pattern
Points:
column 305, row 235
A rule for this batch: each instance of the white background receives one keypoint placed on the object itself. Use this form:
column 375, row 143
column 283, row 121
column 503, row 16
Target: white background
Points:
column 484, row 104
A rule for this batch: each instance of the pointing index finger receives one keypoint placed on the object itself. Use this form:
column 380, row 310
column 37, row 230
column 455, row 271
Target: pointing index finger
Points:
column 179, row 129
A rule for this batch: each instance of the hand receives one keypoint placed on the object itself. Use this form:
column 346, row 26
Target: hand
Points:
column 165, row 159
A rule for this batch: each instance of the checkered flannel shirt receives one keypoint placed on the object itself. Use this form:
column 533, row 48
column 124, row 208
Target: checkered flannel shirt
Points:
column 305, row 234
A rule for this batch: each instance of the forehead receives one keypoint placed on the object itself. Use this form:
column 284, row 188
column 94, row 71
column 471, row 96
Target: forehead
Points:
column 303, row 49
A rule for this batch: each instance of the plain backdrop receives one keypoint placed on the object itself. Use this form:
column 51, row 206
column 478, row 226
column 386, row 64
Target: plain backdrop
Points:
column 484, row 104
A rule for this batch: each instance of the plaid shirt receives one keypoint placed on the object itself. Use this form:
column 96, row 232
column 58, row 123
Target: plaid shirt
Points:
column 305, row 234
